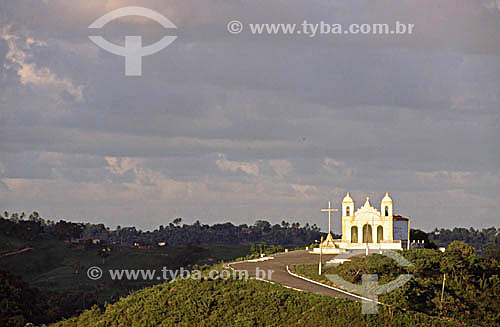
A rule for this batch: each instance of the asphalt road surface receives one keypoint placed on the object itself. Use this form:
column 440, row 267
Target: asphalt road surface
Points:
column 281, row 276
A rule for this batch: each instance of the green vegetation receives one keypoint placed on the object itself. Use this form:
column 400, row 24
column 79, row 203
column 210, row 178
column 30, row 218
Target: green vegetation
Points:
column 57, row 272
column 238, row 303
column 46, row 263
column 53, row 257
column 42, row 258
column 472, row 286
column 58, row 266
column 487, row 239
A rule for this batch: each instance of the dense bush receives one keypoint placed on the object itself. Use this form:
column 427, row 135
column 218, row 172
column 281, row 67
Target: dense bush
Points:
column 472, row 286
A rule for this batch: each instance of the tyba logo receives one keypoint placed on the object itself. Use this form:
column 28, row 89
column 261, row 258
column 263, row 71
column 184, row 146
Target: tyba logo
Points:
column 133, row 51
column 369, row 288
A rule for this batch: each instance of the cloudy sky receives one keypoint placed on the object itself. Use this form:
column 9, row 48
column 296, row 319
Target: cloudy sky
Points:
column 225, row 127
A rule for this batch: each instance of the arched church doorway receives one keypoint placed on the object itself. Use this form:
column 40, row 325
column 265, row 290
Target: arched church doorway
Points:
column 367, row 234
column 354, row 234
column 380, row 234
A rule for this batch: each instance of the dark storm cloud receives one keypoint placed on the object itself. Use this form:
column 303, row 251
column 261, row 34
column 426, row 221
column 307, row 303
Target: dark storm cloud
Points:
column 276, row 124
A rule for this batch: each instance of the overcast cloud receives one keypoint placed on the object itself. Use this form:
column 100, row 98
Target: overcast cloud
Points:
column 225, row 127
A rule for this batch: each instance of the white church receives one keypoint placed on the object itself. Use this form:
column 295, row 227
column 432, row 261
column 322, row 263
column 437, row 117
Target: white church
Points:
column 367, row 227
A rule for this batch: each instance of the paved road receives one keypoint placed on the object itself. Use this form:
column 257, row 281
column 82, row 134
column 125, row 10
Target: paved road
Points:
column 281, row 276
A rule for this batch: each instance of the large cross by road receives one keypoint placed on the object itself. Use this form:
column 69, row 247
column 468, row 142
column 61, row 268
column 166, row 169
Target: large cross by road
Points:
column 329, row 210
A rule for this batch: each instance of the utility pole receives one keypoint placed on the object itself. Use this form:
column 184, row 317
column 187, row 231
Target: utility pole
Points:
column 442, row 289
column 365, row 233
column 320, row 254
column 408, row 244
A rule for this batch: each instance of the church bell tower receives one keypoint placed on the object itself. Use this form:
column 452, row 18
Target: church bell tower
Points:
column 387, row 213
column 386, row 207
column 347, row 213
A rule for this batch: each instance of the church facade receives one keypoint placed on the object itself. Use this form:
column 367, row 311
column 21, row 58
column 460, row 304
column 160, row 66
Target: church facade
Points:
column 370, row 227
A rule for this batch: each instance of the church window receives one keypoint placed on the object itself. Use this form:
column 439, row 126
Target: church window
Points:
column 348, row 211
column 387, row 210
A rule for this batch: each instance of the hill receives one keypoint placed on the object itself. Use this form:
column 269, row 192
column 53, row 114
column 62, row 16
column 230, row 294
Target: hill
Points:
column 49, row 280
column 239, row 303
column 54, row 265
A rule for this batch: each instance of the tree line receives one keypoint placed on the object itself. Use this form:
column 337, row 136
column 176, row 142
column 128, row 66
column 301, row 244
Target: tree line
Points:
column 485, row 241
column 176, row 233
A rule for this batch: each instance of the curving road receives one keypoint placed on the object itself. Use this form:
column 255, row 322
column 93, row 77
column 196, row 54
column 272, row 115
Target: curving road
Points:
column 281, row 276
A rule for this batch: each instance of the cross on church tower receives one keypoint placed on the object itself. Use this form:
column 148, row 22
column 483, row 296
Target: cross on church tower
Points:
column 329, row 210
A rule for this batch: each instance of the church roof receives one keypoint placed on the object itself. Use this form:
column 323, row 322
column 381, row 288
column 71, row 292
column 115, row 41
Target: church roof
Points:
column 367, row 208
column 398, row 217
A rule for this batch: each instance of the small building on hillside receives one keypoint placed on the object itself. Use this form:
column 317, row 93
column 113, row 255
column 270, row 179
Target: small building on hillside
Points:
column 369, row 227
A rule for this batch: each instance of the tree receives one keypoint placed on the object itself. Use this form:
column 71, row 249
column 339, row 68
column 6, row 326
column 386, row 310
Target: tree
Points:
column 14, row 217
column 263, row 225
